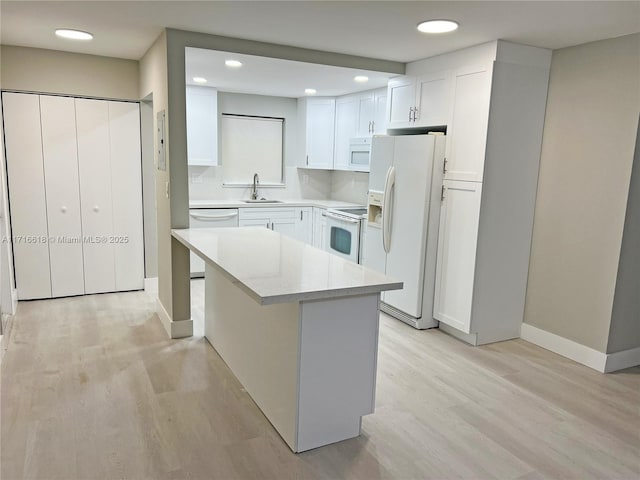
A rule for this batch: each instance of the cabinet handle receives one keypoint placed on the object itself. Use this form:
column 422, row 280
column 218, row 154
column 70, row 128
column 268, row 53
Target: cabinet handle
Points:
column 267, row 225
column 442, row 194
column 301, row 212
column 307, row 159
column 415, row 114
column 444, row 166
column 63, row 209
column 271, row 225
column 410, row 113
column 373, row 126
column 96, row 208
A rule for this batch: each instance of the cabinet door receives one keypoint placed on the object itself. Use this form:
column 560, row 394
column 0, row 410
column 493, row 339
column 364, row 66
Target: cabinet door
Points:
column 457, row 240
column 346, row 128
column 467, row 133
column 126, row 181
column 320, row 133
column 92, row 119
column 304, row 226
column 202, row 126
column 319, row 225
column 23, row 148
column 433, row 99
column 366, row 109
column 401, row 95
column 285, row 226
column 59, row 147
column 380, row 111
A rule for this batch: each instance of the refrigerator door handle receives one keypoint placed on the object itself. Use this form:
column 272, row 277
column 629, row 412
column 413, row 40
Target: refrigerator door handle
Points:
column 386, row 208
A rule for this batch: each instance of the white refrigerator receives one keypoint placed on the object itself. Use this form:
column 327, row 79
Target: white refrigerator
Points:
column 405, row 188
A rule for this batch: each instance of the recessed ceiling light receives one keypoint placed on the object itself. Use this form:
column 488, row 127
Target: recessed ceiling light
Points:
column 361, row 78
column 310, row 91
column 199, row 79
column 233, row 63
column 73, row 34
column 437, row 26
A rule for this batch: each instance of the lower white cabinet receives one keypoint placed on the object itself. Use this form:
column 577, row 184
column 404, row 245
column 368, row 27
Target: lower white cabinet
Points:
column 319, row 227
column 457, row 243
column 74, row 176
column 294, row 222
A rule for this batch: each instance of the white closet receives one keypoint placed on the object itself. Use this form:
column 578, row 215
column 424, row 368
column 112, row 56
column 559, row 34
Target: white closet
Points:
column 75, row 191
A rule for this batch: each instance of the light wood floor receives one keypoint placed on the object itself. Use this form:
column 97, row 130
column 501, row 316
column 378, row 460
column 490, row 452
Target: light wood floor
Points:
column 92, row 389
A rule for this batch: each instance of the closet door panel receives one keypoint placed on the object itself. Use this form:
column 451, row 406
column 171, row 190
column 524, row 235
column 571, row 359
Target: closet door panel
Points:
column 126, row 179
column 58, row 119
column 27, row 197
column 92, row 119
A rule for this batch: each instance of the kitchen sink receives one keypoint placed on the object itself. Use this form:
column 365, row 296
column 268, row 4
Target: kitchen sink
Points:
column 262, row 200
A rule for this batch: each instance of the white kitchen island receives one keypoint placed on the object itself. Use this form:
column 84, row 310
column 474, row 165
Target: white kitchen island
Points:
column 296, row 325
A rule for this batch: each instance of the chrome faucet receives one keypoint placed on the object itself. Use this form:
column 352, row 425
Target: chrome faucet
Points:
column 254, row 190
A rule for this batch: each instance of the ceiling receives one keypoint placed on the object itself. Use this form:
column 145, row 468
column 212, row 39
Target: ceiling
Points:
column 275, row 77
column 376, row 29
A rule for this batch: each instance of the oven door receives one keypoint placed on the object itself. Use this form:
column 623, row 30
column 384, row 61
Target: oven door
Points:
column 343, row 236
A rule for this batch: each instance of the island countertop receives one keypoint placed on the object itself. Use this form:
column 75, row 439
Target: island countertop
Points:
column 273, row 268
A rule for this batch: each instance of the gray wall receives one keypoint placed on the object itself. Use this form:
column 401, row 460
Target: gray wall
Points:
column 51, row 71
column 625, row 320
column 587, row 153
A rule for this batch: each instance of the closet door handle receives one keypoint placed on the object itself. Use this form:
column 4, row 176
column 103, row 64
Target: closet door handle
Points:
column 63, row 209
column 96, row 208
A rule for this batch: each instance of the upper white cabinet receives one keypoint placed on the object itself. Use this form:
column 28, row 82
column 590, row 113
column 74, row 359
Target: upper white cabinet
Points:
column 371, row 112
column 202, row 126
column 345, row 129
column 420, row 101
column 74, row 177
column 467, row 132
column 319, row 117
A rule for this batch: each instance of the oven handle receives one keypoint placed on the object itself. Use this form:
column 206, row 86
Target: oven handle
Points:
column 341, row 218
column 389, row 185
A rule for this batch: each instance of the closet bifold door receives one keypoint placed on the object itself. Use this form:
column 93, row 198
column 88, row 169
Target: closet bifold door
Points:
column 92, row 120
column 59, row 147
column 27, row 197
column 126, row 181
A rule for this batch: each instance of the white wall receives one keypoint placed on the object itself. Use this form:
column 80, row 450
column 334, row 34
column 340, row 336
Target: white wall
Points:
column 205, row 183
column 585, row 169
column 51, row 71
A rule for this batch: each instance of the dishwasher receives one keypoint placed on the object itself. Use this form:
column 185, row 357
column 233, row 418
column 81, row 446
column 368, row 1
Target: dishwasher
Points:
column 209, row 218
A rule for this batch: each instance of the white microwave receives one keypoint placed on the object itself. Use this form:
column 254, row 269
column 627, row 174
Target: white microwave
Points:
column 359, row 153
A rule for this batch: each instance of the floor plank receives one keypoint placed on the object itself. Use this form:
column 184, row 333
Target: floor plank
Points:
column 91, row 388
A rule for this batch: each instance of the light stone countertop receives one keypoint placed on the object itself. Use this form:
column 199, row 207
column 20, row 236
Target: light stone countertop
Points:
column 273, row 268
column 284, row 203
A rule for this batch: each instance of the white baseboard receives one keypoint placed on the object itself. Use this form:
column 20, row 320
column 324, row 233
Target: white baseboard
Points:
column 151, row 285
column 177, row 329
column 622, row 360
column 565, row 347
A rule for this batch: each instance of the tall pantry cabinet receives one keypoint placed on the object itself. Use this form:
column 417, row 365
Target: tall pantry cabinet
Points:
column 75, row 194
column 494, row 137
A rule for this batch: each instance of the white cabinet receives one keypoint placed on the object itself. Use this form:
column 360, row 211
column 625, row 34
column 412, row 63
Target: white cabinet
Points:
column 202, row 126
column 467, row 132
column 319, row 115
column 371, row 112
column 419, row 101
column 74, row 175
column 346, row 128
column 23, row 147
column 458, row 234
column 319, row 227
column 294, row 222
